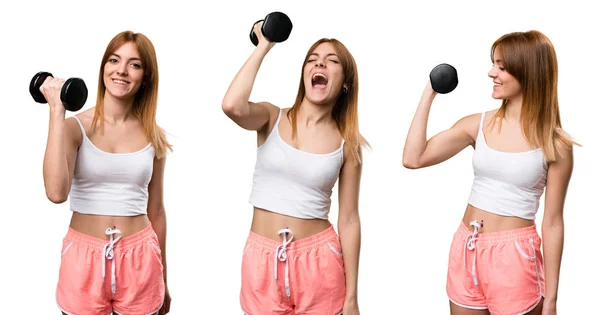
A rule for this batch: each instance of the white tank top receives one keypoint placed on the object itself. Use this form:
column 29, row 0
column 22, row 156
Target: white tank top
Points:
column 113, row 184
column 293, row 182
column 508, row 184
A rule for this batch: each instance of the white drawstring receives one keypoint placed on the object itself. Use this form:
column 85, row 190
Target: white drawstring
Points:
column 470, row 244
column 109, row 253
column 281, row 255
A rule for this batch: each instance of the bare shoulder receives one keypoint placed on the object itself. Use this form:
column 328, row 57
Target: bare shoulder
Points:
column 72, row 128
column 273, row 113
column 271, row 108
column 564, row 152
column 470, row 124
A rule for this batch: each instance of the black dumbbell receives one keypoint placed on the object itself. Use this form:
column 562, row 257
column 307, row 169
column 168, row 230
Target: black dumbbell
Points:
column 277, row 27
column 444, row 78
column 73, row 93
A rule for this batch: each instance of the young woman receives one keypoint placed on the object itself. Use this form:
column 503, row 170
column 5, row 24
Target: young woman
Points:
column 292, row 262
column 110, row 160
column 495, row 263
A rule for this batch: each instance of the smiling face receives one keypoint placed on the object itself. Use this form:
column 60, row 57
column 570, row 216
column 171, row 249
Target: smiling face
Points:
column 323, row 75
column 506, row 86
column 124, row 72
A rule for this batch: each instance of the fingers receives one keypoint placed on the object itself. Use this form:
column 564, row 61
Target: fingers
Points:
column 51, row 84
column 258, row 29
column 51, row 89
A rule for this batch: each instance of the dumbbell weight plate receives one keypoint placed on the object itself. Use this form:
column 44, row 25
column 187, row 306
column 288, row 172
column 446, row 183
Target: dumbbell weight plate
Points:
column 277, row 27
column 444, row 78
column 36, row 83
column 74, row 94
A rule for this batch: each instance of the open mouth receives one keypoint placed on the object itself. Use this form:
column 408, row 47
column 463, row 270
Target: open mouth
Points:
column 319, row 81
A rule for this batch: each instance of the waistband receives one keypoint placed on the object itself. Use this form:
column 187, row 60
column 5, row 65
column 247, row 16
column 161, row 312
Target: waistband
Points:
column 126, row 242
column 501, row 236
column 303, row 244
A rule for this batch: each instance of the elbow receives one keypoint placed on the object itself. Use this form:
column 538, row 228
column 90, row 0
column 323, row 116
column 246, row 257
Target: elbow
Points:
column 230, row 109
column 227, row 108
column 56, row 193
column 349, row 220
column 56, row 196
column 410, row 163
column 553, row 222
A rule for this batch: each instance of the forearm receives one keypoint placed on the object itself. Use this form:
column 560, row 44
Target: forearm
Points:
column 159, row 224
column 237, row 97
column 55, row 168
column 416, row 140
column 552, row 238
column 350, row 237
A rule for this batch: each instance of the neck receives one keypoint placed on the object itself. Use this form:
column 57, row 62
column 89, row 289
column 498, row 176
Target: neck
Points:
column 116, row 110
column 311, row 114
column 513, row 109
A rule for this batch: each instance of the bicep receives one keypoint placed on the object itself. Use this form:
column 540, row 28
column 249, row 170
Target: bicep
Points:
column 349, row 186
column 73, row 139
column 557, row 183
column 255, row 118
column 450, row 142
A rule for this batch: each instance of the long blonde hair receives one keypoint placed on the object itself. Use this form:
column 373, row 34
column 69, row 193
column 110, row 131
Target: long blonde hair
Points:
column 345, row 110
column 146, row 99
column 531, row 59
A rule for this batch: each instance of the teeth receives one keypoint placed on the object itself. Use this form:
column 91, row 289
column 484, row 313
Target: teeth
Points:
column 320, row 75
column 120, row 81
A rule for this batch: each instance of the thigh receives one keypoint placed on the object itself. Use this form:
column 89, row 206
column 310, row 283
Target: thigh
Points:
column 515, row 276
column 140, row 286
column 538, row 309
column 458, row 310
column 81, row 288
column 461, row 288
column 261, row 293
column 318, row 280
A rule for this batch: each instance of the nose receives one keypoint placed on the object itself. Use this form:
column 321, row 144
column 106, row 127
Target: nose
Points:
column 122, row 70
column 320, row 64
column 492, row 73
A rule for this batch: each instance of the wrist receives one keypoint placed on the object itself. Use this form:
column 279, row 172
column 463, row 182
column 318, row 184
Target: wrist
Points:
column 57, row 113
column 429, row 94
column 351, row 298
column 264, row 47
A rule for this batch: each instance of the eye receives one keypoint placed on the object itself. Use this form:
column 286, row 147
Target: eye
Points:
column 136, row 65
column 311, row 60
column 334, row 60
column 112, row 60
column 501, row 68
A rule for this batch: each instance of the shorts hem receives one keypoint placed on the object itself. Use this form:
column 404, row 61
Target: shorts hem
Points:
column 467, row 306
column 154, row 311
column 69, row 313
column 532, row 307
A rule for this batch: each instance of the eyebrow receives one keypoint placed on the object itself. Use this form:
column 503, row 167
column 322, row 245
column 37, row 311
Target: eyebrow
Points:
column 329, row 54
column 499, row 60
column 134, row 58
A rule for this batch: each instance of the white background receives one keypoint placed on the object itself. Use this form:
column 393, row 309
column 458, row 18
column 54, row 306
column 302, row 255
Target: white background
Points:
column 408, row 217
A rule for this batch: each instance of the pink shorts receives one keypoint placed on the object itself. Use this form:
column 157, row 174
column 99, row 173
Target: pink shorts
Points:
column 301, row 277
column 98, row 276
column 499, row 271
